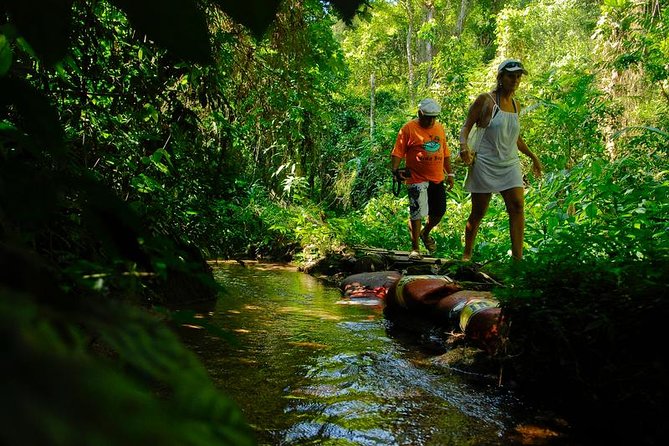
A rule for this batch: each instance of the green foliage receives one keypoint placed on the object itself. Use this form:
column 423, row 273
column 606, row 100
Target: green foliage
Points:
column 563, row 122
column 547, row 34
column 256, row 224
column 95, row 127
column 631, row 45
column 588, row 320
column 457, row 67
column 375, row 47
column 49, row 375
column 641, row 35
column 587, row 307
column 294, row 225
column 383, row 222
column 621, row 198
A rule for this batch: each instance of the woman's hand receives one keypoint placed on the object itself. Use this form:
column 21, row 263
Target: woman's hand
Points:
column 536, row 167
column 466, row 154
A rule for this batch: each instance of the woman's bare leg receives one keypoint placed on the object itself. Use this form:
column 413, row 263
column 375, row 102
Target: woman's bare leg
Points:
column 514, row 199
column 480, row 204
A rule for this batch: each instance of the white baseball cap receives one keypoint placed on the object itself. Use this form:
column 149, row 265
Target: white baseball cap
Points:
column 511, row 65
column 429, row 107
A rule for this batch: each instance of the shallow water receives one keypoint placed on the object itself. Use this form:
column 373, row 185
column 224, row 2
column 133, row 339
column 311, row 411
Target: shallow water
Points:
column 306, row 370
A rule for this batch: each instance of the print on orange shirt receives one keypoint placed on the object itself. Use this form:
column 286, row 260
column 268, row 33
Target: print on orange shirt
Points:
column 424, row 151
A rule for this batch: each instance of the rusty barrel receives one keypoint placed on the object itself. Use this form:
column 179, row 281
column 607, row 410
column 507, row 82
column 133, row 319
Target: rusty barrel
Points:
column 475, row 313
column 420, row 292
column 452, row 305
column 369, row 285
column 480, row 321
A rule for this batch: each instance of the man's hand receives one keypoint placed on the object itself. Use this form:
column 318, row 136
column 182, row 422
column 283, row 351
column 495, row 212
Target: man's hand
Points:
column 450, row 181
column 401, row 174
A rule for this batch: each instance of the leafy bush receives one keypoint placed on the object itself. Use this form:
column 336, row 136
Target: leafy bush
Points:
column 587, row 309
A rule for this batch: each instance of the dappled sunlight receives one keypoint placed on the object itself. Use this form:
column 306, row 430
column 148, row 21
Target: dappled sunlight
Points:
column 247, row 361
column 320, row 314
column 195, row 327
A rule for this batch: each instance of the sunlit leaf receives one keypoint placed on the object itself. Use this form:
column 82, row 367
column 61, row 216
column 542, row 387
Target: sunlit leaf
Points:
column 5, row 55
column 655, row 130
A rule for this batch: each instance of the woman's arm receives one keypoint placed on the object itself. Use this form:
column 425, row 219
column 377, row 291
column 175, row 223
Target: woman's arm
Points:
column 522, row 147
column 536, row 164
column 473, row 116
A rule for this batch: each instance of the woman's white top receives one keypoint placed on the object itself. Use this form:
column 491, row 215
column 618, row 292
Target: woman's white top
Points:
column 497, row 165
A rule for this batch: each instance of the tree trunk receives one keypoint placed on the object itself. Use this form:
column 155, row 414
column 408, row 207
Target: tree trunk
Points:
column 428, row 46
column 462, row 15
column 412, row 93
column 372, row 97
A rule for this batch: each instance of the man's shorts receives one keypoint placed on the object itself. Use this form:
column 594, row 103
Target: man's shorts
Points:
column 426, row 199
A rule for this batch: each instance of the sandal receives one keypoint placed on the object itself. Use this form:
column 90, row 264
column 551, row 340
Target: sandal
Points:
column 429, row 242
column 415, row 255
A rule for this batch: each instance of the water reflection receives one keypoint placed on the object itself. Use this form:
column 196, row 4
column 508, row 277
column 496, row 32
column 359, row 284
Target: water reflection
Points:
column 309, row 371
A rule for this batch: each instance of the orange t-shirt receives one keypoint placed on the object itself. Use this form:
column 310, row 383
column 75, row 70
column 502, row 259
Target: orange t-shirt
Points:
column 424, row 151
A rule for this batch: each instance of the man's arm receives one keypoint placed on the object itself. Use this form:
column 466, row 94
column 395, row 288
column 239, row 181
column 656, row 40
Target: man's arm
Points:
column 395, row 162
column 450, row 176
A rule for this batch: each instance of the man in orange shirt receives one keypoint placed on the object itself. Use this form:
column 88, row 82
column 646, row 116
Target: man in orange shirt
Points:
column 422, row 144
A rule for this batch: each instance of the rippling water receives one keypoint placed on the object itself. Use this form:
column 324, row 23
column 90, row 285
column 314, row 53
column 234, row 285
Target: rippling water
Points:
column 306, row 370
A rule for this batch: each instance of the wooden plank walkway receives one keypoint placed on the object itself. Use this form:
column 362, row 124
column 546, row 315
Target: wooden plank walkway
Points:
column 402, row 256
column 399, row 260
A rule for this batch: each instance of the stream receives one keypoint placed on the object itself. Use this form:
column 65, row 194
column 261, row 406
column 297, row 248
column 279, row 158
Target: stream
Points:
column 307, row 369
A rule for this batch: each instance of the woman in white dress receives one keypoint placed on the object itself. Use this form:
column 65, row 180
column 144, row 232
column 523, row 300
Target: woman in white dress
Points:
column 494, row 161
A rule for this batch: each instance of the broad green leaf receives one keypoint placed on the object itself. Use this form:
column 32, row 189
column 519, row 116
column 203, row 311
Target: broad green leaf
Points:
column 591, row 210
column 5, row 55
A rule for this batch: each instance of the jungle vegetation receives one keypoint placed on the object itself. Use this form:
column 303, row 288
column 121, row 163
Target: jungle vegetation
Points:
column 139, row 138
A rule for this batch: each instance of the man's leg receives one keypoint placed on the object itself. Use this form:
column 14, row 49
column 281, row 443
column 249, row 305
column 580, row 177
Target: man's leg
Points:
column 418, row 209
column 436, row 199
column 414, row 228
column 480, row 204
